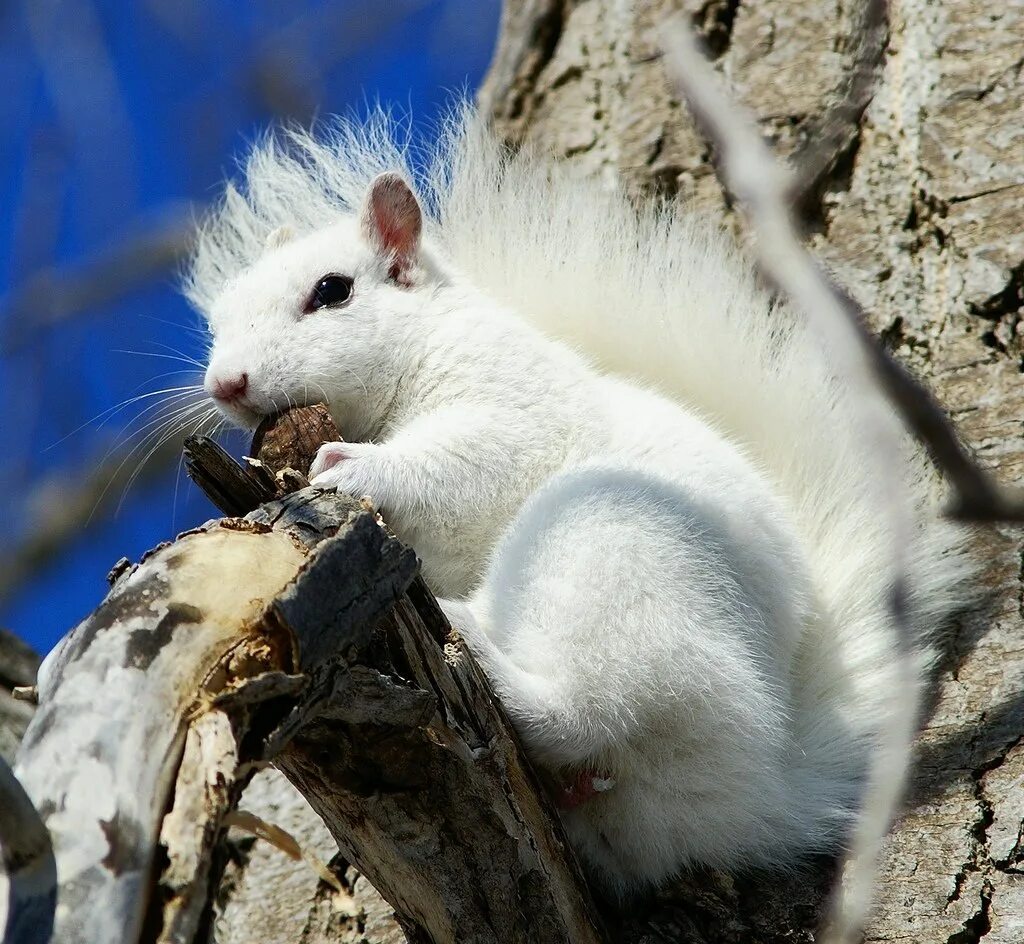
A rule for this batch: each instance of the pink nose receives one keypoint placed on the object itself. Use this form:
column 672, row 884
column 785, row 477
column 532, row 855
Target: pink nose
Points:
column 229, row 389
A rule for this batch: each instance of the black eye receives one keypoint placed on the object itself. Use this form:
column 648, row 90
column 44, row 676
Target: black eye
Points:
column 330, row 292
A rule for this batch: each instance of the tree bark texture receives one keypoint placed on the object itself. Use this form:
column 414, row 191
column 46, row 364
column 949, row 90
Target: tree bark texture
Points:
column 299, row 635
column 18, row 664
column 918, row 209
column 263, row 894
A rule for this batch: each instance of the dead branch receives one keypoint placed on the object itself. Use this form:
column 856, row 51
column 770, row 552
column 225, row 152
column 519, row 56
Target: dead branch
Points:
column 300, row 635
column 233, row 489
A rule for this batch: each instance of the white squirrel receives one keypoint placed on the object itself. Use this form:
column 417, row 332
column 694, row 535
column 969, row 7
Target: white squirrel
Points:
column 632, row 479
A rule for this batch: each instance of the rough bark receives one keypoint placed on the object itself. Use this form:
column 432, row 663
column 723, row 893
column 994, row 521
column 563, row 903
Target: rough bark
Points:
column 18, row 664
column 299, row 635
column 301, row 907
column 920, row 214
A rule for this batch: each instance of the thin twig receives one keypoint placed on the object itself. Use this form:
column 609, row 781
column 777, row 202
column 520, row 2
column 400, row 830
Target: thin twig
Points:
column 763, row 189
column 234, row 489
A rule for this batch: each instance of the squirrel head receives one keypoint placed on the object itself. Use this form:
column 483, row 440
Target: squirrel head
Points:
column 322, row 317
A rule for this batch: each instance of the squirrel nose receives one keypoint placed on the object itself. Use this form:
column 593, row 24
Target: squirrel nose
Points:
column 229, row 389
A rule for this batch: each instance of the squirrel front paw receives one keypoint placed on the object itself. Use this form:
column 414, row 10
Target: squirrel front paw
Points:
column 354, row 468
column 330, row 455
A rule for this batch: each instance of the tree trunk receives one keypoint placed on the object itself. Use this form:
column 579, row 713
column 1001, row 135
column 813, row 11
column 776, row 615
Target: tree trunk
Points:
column 921, row 216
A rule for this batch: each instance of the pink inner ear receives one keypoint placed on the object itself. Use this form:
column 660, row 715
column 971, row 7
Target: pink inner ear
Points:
column 390, row 232
column 393, row 221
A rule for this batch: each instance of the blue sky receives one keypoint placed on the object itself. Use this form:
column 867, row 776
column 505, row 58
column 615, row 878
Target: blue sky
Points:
column 120, row 120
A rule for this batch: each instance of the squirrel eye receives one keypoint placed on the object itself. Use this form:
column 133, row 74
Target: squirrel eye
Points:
column 330, row 292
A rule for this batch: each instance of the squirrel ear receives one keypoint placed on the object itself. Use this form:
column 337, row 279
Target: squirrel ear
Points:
column 391, row 221
column 278, row 237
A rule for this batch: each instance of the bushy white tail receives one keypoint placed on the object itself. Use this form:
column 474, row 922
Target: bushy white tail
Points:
column 661, row 298
column 666, row 300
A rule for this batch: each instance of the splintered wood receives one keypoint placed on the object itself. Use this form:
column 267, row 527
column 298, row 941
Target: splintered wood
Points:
column 301, row 635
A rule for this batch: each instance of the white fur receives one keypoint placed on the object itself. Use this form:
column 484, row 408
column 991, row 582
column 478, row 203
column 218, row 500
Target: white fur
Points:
column 636, row 474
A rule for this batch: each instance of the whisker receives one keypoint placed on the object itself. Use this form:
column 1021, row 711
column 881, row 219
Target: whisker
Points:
column 160, row 422
column 163, row 435
column 104, row 415
column 202, row 332
column 165, row 413
column 323, row 392
column 173, row 401
column 173, row 350
column 177, row 356
column 180, row 415
column 366, row 392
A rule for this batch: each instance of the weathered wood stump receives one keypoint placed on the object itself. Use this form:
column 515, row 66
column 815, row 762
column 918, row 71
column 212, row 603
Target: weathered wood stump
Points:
column 300, row 635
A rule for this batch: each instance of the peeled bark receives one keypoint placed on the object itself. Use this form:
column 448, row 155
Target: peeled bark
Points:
column 299, row 635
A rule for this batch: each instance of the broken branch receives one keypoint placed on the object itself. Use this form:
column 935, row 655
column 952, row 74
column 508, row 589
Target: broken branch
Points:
column 302, row 635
